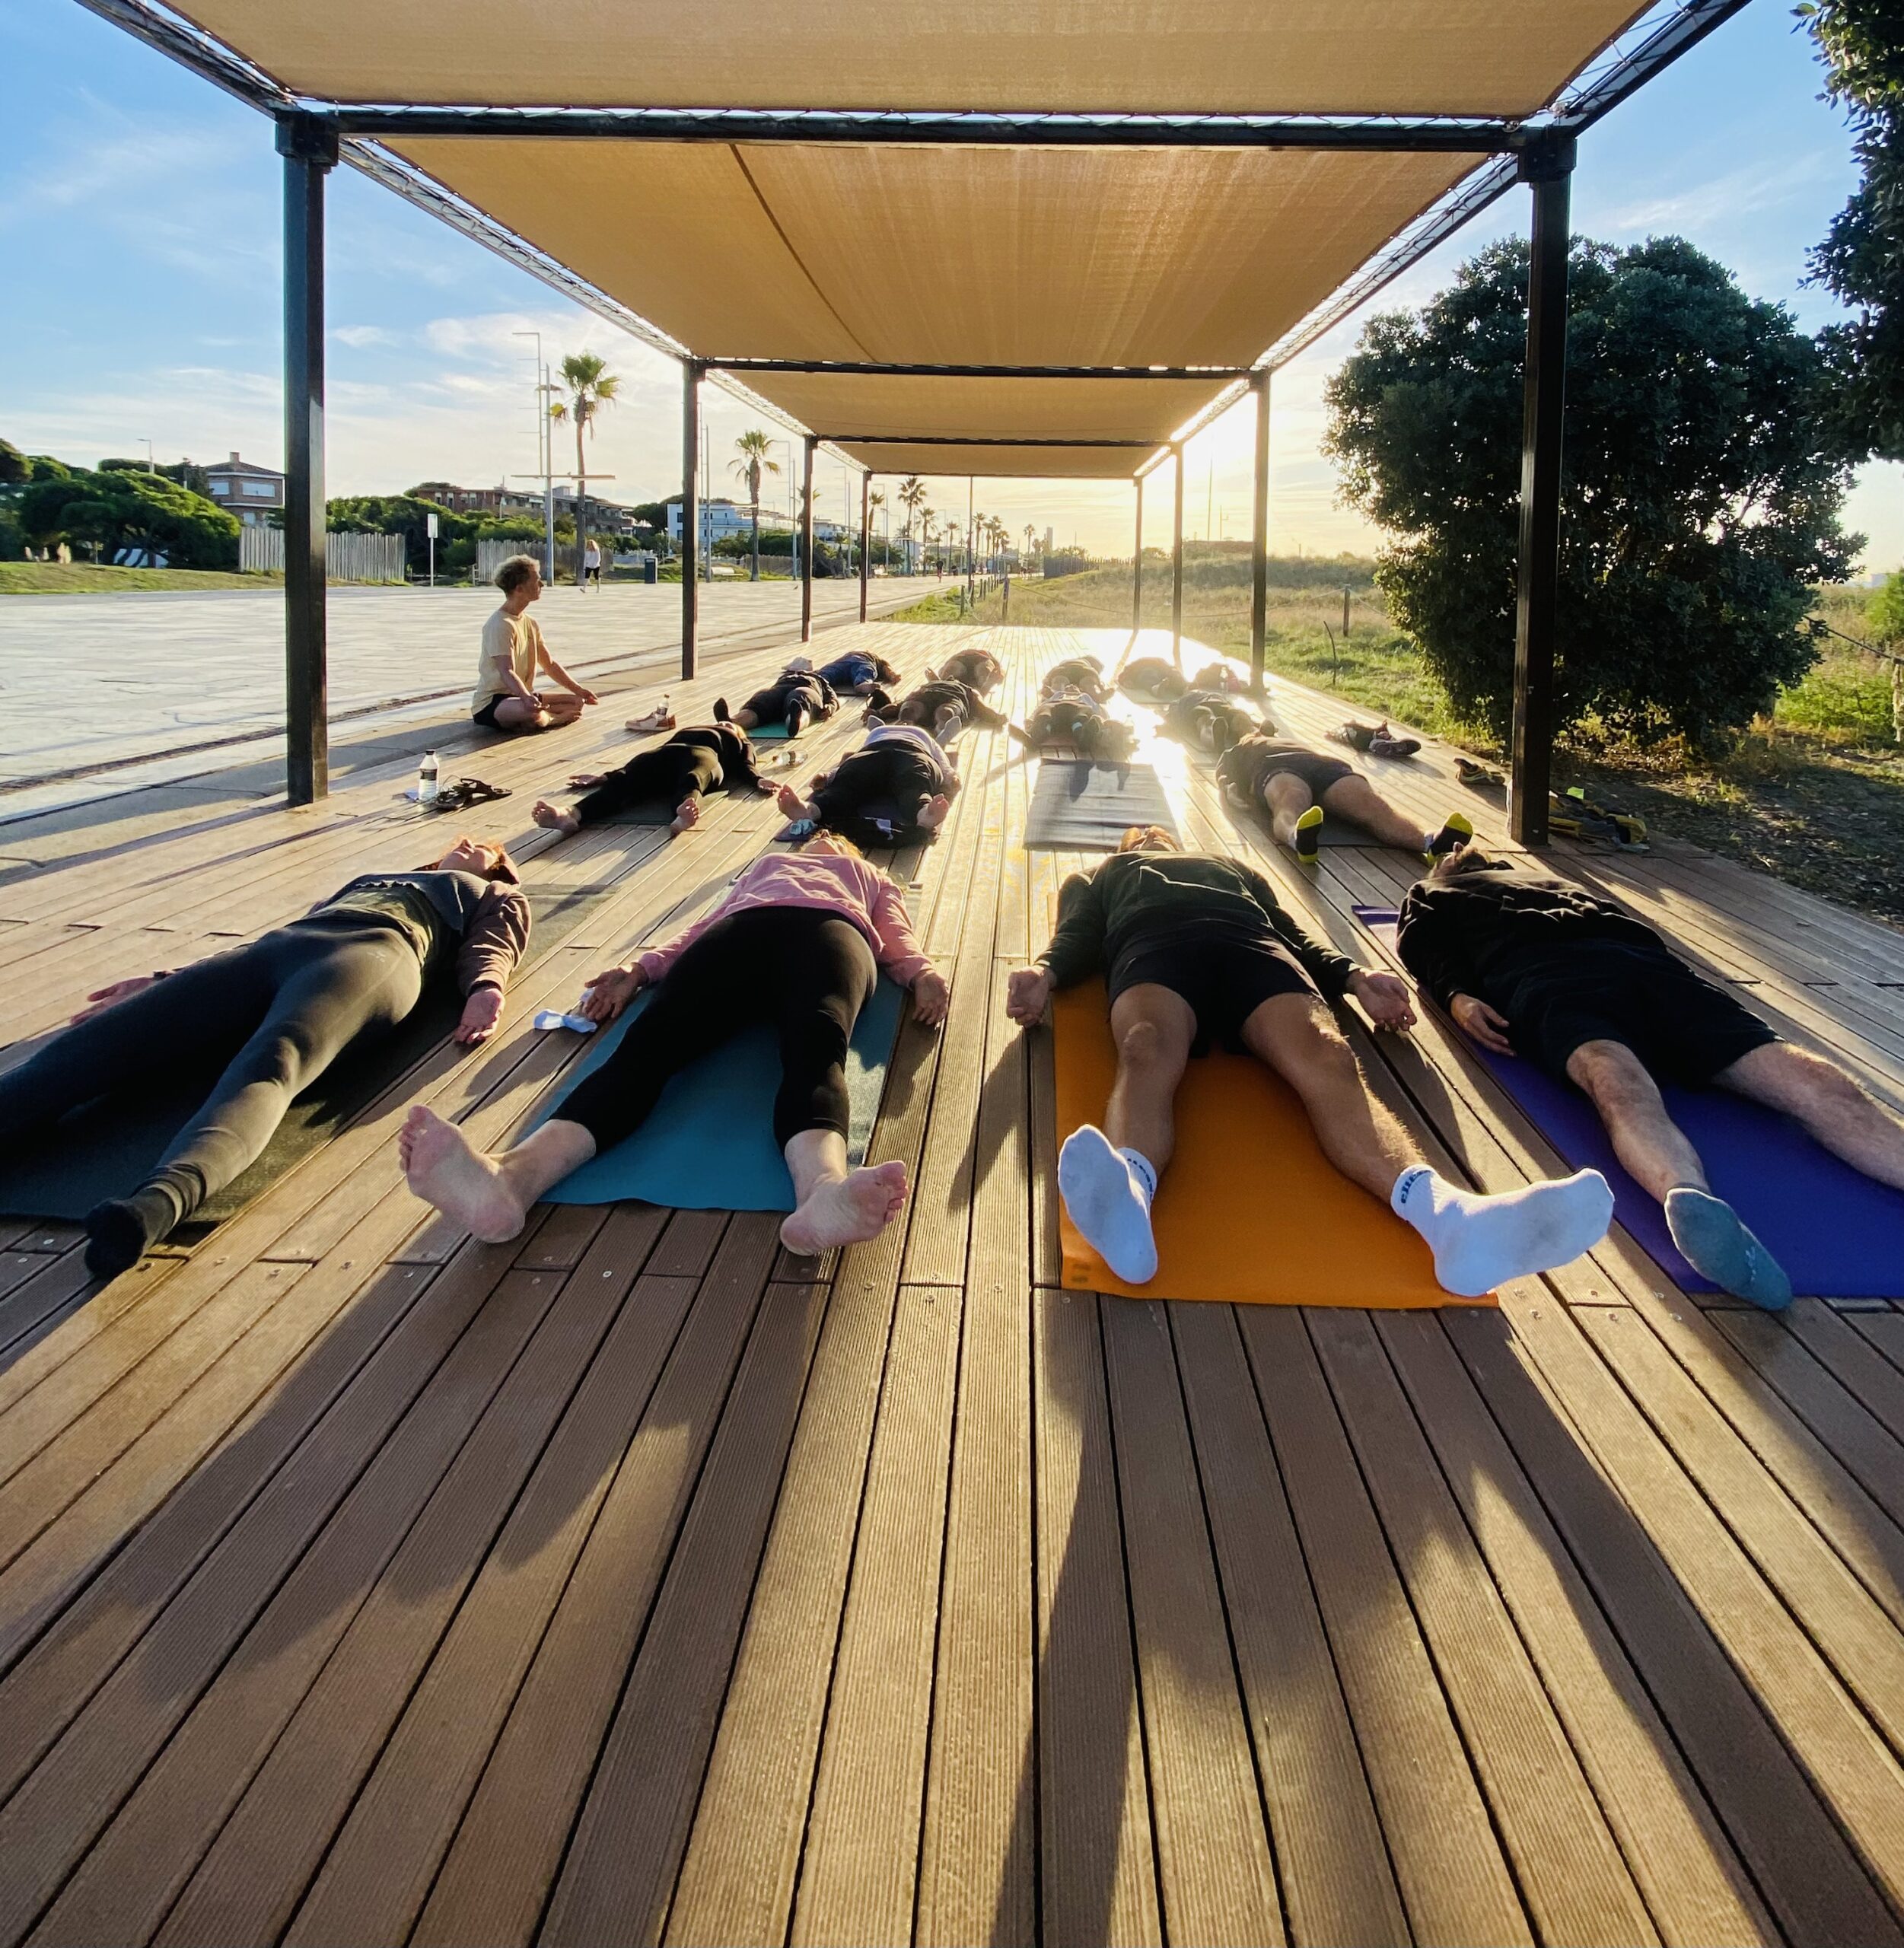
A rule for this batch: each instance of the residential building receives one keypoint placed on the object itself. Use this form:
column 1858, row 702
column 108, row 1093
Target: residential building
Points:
column 251, row 492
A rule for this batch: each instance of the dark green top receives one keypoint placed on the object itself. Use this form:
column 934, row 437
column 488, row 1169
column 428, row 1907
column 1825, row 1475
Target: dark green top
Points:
column 1137, row 893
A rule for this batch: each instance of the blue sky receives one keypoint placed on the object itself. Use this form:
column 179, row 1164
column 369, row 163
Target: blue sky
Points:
column 139, row 217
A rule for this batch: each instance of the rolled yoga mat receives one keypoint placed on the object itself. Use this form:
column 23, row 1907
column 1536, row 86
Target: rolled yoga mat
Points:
column 106, row 1149
column 1085, row 805
column 1838, row 1233
column 709, row 1145
column 1250, row 1211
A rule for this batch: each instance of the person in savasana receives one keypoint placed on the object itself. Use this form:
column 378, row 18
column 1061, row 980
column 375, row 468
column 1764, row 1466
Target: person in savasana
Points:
column 1196, row 949
column 262, row 1022
column 678, row 772
column 799, row 941
column 1567, row 981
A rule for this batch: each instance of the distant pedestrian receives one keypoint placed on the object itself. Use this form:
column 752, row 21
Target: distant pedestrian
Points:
column 592, row 564
column 514, row 654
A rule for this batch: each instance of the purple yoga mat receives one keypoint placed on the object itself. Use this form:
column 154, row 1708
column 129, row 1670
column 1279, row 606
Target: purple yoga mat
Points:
column 1837, row 1234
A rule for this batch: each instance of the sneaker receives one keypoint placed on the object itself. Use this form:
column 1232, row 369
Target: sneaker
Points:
column 1385, row 744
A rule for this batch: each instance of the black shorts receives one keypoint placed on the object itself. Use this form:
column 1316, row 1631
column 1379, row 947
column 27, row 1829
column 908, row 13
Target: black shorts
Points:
column 486, row 716
column 1683, row 1029
column 1225, row 973
column 1316, row 771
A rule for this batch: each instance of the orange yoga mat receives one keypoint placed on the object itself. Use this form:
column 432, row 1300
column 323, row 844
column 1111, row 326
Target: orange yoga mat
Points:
column 1250, row 1211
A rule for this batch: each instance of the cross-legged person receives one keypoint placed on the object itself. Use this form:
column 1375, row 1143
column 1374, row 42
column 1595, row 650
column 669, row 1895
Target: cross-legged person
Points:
column 1552, row 974
column 681, row 772
column 1295, row 786
column 1197, row 950
column 514, row 655
column 798, row 941
column 900, row 784
column 257, row 1025
column 796, row 698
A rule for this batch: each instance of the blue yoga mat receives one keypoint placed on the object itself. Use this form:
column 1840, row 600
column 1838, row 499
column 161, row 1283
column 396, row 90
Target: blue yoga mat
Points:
column 709, row 1145
column 1838, row 1233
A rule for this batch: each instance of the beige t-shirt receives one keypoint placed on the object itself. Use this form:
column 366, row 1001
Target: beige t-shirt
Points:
column 509, row 642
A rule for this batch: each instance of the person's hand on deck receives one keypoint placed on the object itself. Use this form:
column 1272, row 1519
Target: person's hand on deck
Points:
column 1385, row 997
column 1026, row 993
column 931, row 996
column 584, row 781
column 481, row 1012
column 1480, row 1024
column 610, row 991
column 102, row 998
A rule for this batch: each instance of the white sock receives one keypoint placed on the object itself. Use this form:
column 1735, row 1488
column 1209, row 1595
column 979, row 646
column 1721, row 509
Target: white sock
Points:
column 1479, row 1241
column 1108, row 1192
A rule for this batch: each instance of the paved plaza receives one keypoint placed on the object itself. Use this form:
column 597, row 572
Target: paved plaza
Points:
column 99, row 691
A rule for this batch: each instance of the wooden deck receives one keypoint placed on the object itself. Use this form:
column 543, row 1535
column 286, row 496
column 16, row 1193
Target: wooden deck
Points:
column 635, row 1582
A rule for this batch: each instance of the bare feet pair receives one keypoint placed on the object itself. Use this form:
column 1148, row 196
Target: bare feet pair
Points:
column 687, row 813
column 443, row 1168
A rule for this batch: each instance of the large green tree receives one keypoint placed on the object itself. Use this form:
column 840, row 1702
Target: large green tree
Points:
column 1862, row 257
column 113, row 510
column 1701, row 491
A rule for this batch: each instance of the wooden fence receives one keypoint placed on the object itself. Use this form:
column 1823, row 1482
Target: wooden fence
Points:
column 347, row 557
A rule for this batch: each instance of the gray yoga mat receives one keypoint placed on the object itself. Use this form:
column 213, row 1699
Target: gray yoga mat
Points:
column 106, row 1149
column 1085, row 805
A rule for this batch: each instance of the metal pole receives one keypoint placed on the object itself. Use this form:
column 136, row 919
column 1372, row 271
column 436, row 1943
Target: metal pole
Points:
column 1548, row 167
column 807, row 544
column 691, row 369
column 971, row 566
column 1176, row 567
column 1137, row 564
column 865, row 538
column 309, row 147
column 1259, row 536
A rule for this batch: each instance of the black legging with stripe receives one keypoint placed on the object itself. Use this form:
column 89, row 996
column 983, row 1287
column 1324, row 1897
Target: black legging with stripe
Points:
column 259, row 1025
column 806, row 971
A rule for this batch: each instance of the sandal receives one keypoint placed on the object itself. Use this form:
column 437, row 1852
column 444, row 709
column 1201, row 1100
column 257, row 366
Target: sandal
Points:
column 460, row 793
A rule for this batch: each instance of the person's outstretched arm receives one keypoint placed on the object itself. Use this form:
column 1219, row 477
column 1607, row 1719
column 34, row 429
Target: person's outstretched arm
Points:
column 901, row 955
column 1429, row 938
column 1076, row 949
column 492, row 945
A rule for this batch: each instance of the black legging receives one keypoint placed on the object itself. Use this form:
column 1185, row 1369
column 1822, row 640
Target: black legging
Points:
column 665, row 775
column 794, row 701
column 806, row 971
column 881, row 775
column 272, row 1016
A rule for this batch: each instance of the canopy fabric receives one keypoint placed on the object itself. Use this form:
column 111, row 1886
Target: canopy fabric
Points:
column 1268, row 57
column 1002, row 462
column 993, row 257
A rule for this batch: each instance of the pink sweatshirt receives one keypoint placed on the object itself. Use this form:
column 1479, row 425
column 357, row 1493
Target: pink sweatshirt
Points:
column 833, row 881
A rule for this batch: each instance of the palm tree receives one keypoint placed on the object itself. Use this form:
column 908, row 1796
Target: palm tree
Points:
column 591, row 385
column 753, row 447
column 928, row 526
column 874, row 501
column 912, row 494
column 1031, row 543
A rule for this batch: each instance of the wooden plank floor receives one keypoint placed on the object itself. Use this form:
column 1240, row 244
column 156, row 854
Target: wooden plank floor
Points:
column 635, row 1582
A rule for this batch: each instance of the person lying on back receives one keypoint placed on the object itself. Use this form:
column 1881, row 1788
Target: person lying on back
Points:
column 943, row 706
column 514, row 655
column 680, row 772
column 1293, row 786
column 978, row 667
column 852, row 675
column 1575, row 985
column 796, row 698
column 1150, row 679
column 1196, row 949
column 1082, row 673
column 897, row 787
column 1210, row 720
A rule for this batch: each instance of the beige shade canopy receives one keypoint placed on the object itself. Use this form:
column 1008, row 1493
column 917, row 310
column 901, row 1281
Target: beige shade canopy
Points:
column 999, row 462
column 889, row 252
column 1193, row 57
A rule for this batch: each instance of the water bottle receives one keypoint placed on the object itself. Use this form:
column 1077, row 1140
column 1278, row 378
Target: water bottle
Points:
column 664, row 709
column 426, row 779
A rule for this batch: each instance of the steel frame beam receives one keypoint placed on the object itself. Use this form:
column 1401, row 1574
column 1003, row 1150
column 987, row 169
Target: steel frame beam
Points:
column 1260, row 536
column 1548, row 171
column 807, row 541
column 690, row 515
column 905, row 369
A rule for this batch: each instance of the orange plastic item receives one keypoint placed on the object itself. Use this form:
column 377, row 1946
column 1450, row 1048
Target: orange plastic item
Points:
column 1250, row 1211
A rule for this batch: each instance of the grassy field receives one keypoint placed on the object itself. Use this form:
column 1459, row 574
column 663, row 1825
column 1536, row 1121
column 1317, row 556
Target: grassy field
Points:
column 1814, row 793
column 84, row 578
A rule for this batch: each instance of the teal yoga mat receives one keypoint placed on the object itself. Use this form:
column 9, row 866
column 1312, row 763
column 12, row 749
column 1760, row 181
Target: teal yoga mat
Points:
column 709, row 1145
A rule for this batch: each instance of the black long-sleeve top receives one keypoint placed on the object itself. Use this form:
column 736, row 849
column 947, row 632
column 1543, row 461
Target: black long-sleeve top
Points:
column 1490, row 935
column 1099, row 913
column 484, row 922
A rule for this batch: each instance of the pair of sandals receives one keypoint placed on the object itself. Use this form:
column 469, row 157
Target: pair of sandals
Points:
column 460, row 793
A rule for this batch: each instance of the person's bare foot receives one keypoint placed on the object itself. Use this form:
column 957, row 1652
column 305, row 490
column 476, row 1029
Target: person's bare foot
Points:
column 554, row 817
column 848, row 1210
column 687, row 816
column 442, row 1168
column 790, row 801
column 932, row 813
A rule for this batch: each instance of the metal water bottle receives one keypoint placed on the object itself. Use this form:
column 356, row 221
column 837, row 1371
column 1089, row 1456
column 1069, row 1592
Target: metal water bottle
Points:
column 426, row 779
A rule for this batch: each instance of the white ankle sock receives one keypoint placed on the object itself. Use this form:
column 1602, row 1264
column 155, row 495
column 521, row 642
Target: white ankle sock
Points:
column 1479, row 1241
column 1108, row 1192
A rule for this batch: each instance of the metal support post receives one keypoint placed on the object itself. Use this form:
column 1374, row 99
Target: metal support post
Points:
column 807, row 543
column 691, row 371
column 865, row 538
column 1137, row 564
column 1547, row 166
column 308, row 144
column 1260, row 537
column 1176, row 566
